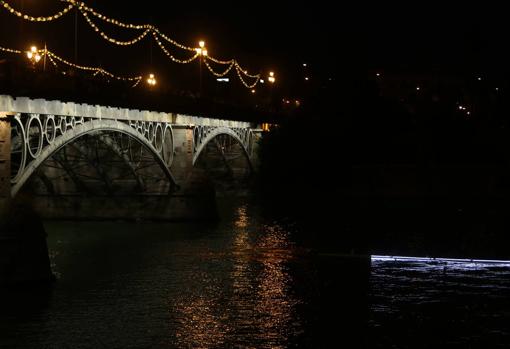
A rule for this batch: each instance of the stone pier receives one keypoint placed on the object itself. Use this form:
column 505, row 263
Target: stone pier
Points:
column 23, row 249
column 5, row 168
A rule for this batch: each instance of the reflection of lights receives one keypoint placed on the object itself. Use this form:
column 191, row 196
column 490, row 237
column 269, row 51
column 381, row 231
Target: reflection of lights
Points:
column 242, row 217
column 274, row 298
column 223, row 79
column 198, row 324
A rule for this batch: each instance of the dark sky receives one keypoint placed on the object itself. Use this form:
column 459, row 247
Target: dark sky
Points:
column 411, row 34
column 279, row 35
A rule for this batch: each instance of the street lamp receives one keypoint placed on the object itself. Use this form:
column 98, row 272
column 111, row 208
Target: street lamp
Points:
column 202, row 52
column 271, row 80
column 34, row 56
column 271, row 77
column 151, row 80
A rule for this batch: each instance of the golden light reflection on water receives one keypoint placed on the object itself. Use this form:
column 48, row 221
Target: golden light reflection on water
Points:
column 275, row 302
column 252, row 305
column 242, row 218
column 200, row 323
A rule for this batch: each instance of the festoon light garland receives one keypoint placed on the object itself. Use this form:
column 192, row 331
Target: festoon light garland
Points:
column 147, row 28
column 54, row 58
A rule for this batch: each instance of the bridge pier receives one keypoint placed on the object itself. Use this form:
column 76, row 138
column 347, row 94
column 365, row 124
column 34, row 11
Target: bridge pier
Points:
column 183, row 157
column 23, row 249
column 5, row 168
column 196, row 198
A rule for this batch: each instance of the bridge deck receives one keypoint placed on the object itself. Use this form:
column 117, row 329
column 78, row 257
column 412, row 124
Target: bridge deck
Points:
column 42, row 106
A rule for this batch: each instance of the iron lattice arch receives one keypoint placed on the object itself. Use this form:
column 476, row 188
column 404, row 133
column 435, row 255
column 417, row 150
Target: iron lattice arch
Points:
column 202, row 135
column 66, row 143
column 36, row 138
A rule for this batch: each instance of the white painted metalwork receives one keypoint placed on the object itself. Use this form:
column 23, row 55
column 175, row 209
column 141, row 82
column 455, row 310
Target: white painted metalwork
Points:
column 40, row 128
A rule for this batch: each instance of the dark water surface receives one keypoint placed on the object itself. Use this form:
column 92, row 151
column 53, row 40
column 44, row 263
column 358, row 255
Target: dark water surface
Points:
column 244, row 282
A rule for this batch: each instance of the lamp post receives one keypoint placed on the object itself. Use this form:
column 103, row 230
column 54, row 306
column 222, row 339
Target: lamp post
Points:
column 271, row 79
column 202, row 52
column 34, row 56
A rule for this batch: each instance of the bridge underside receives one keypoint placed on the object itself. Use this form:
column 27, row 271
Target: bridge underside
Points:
column 107, row 174
column 104, row 163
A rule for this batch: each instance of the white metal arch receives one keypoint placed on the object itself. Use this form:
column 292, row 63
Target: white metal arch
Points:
column 208, row 134
column 80, row 130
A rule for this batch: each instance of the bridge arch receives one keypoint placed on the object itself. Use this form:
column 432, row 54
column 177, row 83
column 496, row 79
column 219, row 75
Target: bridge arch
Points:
column 202, row 135
column 82, row 129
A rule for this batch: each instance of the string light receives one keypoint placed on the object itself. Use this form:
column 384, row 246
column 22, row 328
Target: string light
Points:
column 173, row 42
column 247, row 85
column 245, row 72
column 129, row 25
column 147, row 28
column 55, row 64
column 163, row 48
column 110, row 39
column 97, row 70
column 111, row 20
column 35, row 19
column 35, row 54
column 223, row 73
column 10, row 50
column 215, row 60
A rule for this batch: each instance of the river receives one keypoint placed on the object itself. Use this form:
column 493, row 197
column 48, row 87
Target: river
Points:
column 246, row 281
